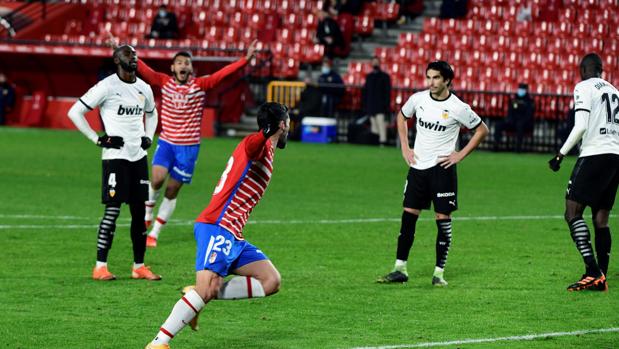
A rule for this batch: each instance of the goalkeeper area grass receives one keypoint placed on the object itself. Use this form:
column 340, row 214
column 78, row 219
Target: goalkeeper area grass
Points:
column 329, row 222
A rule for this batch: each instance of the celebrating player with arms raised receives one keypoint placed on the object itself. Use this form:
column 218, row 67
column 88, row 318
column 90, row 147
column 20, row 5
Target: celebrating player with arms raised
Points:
column 432, row 173
column 123, row 100
column 181, row 118
column 221, row 246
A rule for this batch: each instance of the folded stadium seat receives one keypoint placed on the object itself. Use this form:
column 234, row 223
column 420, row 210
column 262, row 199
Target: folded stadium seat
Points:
column 296, row 51
column 383, row 53
column 408, row 40
column 213, row 33
column 369, row 9
column 248, row 35
column 310, row 21
column 347, row 26
column 292, row 20
column 304, row 36
column 287, row 68
column 387, row 11
column 313, row 54
column 220, row 19
column 286, row 36
column 231, row 35
column 238, row 20
column 364, row 25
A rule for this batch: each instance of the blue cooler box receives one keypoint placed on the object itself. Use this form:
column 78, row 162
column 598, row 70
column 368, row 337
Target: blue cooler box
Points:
column 318, row 130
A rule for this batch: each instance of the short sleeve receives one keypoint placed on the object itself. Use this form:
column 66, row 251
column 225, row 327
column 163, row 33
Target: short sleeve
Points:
column 95, row 96
column 149, row 105
column 582, row 99
column 408, row 109
column 467, row 117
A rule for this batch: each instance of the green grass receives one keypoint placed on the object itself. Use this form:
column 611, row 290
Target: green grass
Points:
column 507, row 277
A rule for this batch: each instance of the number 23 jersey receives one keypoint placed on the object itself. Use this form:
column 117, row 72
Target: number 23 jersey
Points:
column 241, row 185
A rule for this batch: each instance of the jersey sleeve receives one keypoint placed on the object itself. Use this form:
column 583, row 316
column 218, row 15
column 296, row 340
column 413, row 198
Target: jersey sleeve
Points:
column 210, row 81
column 149, row 105
column 95, row 96
column 150, row 76
column 254, row 145
column 409, row 108
column 582, row 98
column 467, row 117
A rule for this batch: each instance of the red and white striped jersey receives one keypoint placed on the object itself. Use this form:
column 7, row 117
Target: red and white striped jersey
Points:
column 183, row 105
column 242, row 185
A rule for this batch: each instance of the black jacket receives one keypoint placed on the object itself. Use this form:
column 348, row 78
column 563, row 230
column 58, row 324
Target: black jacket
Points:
column 376, row 94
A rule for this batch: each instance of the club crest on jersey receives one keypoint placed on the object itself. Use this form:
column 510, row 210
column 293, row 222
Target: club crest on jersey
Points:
column 130, row 110
column 112, row 193
column 212, row 258
column 445, row 115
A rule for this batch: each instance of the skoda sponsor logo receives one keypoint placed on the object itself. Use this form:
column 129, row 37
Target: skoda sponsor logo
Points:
column 445, row 195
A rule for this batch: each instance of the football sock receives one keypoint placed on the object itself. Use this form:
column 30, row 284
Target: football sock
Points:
column 438, row 272
column 165, row 211
column 400, row 266
column 138, row 265
column 240, row 287
column 582, row 238
column 407, row 235
column 106, row 231
column 153, row 195
column 443, row 241
column 602, row 247
column 138, row 232
column 101, row 264
column 183, row 312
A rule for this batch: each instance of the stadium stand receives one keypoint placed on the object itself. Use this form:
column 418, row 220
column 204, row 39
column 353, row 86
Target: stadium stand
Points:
column 490, row 49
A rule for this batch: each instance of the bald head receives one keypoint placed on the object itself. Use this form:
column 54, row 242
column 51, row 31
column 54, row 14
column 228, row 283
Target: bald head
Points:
column 590, row 66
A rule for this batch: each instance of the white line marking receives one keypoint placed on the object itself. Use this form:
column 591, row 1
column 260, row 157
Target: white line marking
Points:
column 498, row 339
column 178, row 222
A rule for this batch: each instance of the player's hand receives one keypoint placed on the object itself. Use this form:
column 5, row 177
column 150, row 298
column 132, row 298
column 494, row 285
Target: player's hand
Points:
column 106, row 141
column 272, row 128
column 450, row 160
column 110, row 40
column 409, row 156
column 555, row 162
column 146, row 143
column 251, row 49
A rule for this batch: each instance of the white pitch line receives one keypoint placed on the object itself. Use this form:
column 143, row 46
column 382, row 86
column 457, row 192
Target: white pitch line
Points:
column 492, row 340
column 189, row 223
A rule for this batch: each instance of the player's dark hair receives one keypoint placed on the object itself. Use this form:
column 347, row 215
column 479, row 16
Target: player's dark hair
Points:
column 271, row 112
column 593, row 62
column 444, row 68
column 181, row 54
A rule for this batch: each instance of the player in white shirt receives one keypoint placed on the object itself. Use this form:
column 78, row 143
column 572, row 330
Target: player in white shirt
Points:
column 432, row 174
column 595, row 176
column 123, row 100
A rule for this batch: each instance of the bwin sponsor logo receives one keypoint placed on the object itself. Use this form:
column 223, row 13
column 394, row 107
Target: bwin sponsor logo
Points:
column 432, row 126
column 134, row 110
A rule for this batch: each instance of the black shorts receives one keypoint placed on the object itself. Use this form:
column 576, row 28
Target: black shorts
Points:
column 124, row 181
column 437, row 185
column 594, row 181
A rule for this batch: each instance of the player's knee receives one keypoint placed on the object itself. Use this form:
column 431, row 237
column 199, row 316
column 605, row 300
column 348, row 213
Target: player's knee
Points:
column 412, row 210
column 207, row 292
column 271, row 282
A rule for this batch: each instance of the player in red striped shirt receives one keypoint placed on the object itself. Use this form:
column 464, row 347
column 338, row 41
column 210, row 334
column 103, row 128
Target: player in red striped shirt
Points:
column 221, row 247
column 183, row 98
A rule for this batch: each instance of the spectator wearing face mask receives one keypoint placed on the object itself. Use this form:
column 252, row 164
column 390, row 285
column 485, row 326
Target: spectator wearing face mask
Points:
column 376, row 98
column 332, row 88
column 519, row 117
column 164, row 25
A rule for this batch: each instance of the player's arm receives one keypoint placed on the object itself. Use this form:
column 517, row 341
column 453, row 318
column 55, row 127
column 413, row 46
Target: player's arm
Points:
column 407, row 112
column 472, row 121
column 93, row 98
column 150, row 76
column 150, row 121
column 76, row 114
column 580, row 126
column 208, row 82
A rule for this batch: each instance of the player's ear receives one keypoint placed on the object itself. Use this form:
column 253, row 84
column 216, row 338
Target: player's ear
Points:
column 172, row 68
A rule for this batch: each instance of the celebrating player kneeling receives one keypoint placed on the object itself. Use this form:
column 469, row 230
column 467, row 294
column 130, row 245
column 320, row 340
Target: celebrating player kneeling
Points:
column 221, row 246
column 123, row 100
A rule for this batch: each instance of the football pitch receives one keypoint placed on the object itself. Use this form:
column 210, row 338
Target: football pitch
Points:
column 329, row 222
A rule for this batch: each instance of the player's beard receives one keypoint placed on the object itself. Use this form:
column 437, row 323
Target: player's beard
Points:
column 282, row 141
column 127, row 67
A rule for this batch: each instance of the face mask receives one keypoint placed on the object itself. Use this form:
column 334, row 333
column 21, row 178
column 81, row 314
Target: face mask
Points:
column 325, row 69
column 521, row 92
column 162, row 13
column 377, row 67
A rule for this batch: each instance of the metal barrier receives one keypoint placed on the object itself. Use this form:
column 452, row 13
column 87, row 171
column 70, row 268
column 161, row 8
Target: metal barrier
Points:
column 285, row 92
